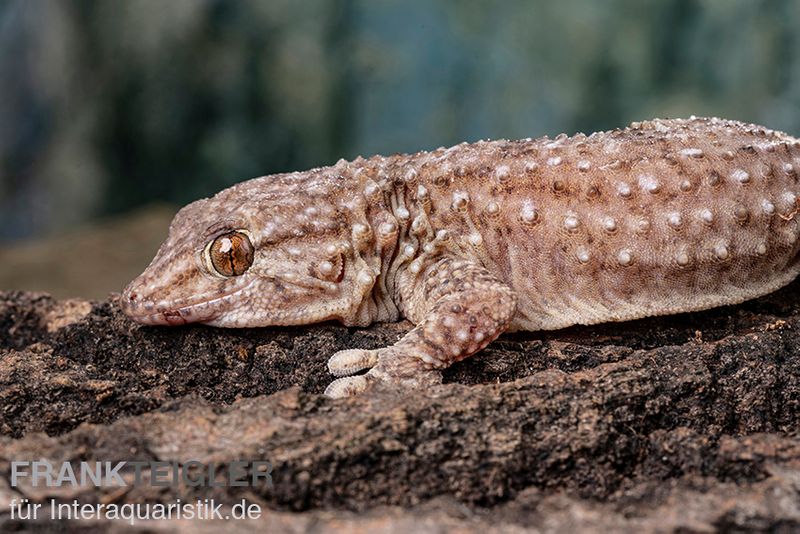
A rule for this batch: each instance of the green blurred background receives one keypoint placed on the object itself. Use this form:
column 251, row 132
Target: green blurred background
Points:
column 113, row 114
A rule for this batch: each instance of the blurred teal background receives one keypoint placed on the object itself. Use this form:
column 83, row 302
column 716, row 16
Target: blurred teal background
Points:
column 107, row 106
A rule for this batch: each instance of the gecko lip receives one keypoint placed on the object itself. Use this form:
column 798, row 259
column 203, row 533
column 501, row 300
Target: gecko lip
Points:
column 197, row 312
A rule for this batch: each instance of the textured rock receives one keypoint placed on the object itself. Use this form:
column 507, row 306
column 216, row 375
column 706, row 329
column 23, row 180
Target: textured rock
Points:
column 675, row 423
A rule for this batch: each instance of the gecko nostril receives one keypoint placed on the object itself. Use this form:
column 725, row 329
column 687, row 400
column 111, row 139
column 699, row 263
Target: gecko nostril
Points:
column 126, row 302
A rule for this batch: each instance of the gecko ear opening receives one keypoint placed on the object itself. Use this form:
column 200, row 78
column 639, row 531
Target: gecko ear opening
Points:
column 230, row 254
column 331, row 270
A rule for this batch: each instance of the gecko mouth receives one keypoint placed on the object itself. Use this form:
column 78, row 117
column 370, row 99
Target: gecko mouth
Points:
column 196, row 312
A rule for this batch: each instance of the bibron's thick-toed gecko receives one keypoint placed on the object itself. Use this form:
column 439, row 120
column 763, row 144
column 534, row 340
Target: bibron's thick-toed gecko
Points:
column 662, row 217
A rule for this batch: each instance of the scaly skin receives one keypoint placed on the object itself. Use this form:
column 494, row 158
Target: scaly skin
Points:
column 662, row 217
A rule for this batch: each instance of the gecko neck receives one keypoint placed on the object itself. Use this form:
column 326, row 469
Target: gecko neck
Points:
column 397, row 209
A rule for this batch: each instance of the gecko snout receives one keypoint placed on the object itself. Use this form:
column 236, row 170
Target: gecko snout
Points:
column 148, row 312
column 132, row 303
column 136, row 302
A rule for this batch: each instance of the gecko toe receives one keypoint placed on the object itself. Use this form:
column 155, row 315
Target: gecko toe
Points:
column 347, row 362
column 348, row 386
column 397, row 367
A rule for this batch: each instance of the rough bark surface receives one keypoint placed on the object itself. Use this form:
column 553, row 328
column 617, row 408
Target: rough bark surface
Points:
column 683, row 423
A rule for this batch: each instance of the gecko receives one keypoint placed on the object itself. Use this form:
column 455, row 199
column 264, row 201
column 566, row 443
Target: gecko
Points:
column 662, row 217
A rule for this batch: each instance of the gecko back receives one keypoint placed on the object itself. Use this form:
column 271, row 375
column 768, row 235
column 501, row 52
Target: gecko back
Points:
column 665, row 216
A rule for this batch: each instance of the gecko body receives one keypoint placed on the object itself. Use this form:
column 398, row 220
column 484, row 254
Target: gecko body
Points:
column 662, row 217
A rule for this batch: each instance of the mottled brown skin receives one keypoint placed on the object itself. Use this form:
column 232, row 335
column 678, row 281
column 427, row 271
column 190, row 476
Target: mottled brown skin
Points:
column 665, row 216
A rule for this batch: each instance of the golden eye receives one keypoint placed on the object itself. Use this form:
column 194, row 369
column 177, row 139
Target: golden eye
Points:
column 231, row 254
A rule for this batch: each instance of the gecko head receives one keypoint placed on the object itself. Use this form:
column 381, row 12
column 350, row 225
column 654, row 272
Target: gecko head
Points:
column 250, row 256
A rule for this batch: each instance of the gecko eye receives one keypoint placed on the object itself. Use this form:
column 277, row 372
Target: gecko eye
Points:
column 231, row 254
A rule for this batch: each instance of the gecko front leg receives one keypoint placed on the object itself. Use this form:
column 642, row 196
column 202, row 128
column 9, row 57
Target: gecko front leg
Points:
column 460, row 306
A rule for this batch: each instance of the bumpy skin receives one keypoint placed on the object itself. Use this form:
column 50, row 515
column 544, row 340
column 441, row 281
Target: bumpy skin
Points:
column 665, row 216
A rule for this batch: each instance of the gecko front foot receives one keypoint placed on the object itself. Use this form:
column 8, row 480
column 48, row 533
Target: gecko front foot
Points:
column 392, row 365
column 462, row 306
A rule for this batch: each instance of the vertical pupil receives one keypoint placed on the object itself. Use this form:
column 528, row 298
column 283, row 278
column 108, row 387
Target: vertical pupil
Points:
column 229, row 247
column 232, row 261
column 226, row 247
